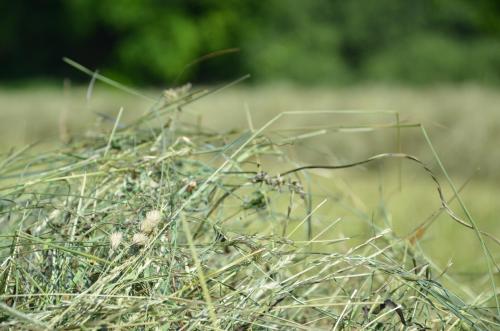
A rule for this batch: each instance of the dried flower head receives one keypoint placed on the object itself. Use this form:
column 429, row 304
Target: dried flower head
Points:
column 115, row 240
column 173, row 94
column 191, row 186
column 140, row 239
column 154, row 215
column 276, row 182
column 296, row 187
column 260, row 177
column 151, row 221
column 148, row 225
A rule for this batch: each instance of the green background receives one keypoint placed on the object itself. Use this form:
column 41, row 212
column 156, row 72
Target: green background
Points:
column 152, row 42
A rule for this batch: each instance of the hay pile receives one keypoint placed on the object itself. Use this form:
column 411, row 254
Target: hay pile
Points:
column 164, row 225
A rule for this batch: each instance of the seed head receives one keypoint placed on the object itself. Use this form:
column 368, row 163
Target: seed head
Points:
column 154, row 215
column 172, row 94
column 115, row 240
column 148, row 225
column 191, row 186
column 140, row 239
column 260, row 177
column 151, row 221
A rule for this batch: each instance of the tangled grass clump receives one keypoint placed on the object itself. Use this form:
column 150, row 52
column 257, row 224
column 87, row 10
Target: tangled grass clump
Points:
column 161, row 225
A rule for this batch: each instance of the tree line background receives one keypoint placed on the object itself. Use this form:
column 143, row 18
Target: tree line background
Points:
column 153, row 42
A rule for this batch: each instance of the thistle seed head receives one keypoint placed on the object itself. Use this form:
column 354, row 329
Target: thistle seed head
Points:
column 115, row 240
column 140, row 239
column 154, row 215
column 151, row 221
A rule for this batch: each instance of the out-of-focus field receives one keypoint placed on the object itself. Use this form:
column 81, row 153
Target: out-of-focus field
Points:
column 463, row 123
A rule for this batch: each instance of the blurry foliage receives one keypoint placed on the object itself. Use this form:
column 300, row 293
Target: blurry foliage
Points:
column 152, row 41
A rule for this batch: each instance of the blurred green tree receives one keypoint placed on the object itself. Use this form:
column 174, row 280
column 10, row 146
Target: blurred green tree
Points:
column 321, row 41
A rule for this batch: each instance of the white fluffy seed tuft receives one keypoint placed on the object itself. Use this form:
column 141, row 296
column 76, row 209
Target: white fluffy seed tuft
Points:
column 151, row 221
column 154, row 215
column 140, row 239
column 115, row 240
